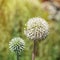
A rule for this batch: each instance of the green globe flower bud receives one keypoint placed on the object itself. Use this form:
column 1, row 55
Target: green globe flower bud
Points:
column 16, row 44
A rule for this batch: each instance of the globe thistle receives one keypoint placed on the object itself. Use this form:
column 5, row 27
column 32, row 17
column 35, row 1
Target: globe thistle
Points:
column 36, row 29
column 16, row 44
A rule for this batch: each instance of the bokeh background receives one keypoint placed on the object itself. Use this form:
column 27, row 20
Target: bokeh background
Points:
column 13, row 16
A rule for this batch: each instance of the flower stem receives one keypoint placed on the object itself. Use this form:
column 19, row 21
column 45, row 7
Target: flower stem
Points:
column 17, row 55
column 33, row 53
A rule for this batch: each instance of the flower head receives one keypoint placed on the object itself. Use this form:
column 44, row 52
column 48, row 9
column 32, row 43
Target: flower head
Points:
column 16, row 44
column 36, row 29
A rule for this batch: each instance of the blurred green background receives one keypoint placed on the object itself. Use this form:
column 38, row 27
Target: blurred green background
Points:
column 13, row 16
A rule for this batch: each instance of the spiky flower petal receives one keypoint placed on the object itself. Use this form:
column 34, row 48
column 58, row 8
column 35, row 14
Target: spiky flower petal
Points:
column 16, row 44
column 36, row 29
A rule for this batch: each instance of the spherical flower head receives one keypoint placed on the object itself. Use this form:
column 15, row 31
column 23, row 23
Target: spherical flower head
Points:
column 36, row 29
column 16, row 44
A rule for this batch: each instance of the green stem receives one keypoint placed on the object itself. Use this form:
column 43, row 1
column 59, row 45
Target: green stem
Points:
column 17, row 55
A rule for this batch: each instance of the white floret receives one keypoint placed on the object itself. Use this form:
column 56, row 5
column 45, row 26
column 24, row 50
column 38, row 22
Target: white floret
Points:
column 37, row 29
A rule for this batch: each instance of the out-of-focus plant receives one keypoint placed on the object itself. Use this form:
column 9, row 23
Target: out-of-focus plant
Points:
column 17, row 45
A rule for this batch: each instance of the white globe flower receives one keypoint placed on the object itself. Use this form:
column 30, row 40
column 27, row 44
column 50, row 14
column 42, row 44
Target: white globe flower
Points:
column 36, row 29
column 16, row 44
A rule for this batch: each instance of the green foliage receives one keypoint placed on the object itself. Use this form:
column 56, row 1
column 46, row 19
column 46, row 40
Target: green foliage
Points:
column 14, row 15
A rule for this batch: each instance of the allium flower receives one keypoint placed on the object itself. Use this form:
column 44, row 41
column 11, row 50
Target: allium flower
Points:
column 36, row 29
column 16, row 44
